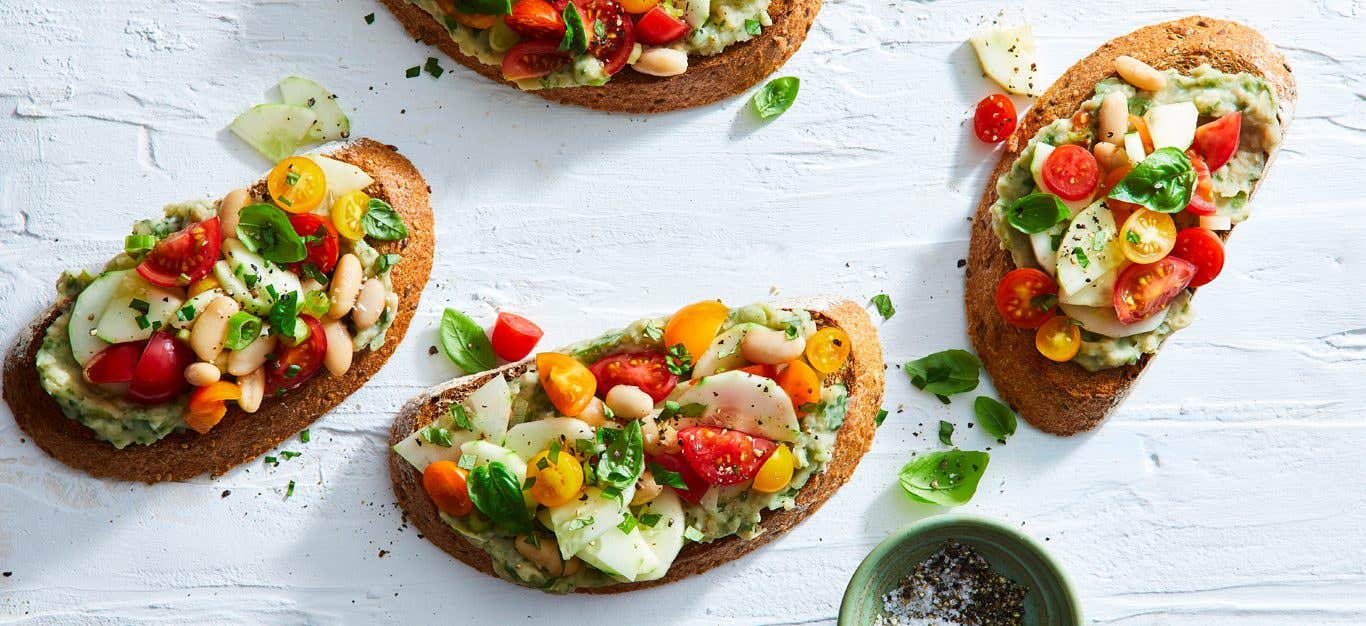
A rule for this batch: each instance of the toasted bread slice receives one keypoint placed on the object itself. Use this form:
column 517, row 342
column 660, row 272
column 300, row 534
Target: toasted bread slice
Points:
column 1065, row 399
column 239, row 437
column 708, row 79
column 862, row 376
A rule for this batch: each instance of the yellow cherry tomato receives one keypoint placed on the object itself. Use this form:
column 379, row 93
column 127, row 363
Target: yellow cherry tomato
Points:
column 776, row 472
column 477, row 21
column 568, row 382
column 1058, row 339
column 828, row 349
column 695, row 326
column 297, row 185
column 557, row 481
column 1147, row 236
column 346, row 213
column 206, row 283
column 637, row 6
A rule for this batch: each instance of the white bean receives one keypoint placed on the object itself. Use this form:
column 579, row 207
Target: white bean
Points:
column 253, row 388
column 546, row 557
column 646, row 489
column 340, row 348
column 229, row 208
column 659, row 438
column 202, row 374
column 1110, row 156
column 252, row 357
column 369, row 304
column 661, row 62
column 593, row 415
column 629, row 402
column 771, row 347
column 1140, row 74
column 1114, row 117
column 211, row 328
column 346, row 281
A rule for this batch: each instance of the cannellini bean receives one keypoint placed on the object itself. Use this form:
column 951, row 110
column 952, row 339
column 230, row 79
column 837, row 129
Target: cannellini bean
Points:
column 253, row 388
column 546, row 557
column 1114, row 117
column 771, row 347
column 658, row 438
column 252, row 357
column 211, row 328
column 346, row 281
column 593, row 415
column 1140, row 74
column 629, row 402
column 646, row 489
column 1110, row 156
column 369, row 304
column 202, row 374
column 340, row 348
column 229, row 208
column 661, row 62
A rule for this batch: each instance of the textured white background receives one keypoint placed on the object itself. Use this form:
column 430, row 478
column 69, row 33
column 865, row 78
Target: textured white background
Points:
column 1229, row 489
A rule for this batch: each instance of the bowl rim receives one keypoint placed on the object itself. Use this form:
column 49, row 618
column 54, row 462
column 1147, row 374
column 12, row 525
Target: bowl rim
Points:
column 848, row 606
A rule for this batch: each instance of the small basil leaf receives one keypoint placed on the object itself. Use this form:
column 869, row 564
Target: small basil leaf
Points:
column 946, row 478
column 1036, row 213
column 266, row 230
column 465, row 342
column 945, row 373
column 575, row 36
column 497, row 494
column 624, row 459
column 945, row 433
column 996, row 418
column 883, row 302
column 776, row 97
column 382, row 222
column 1163, row 182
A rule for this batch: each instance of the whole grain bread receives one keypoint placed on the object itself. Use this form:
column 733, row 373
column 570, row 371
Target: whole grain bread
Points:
column 708, row 79
column 862, row 376
column 239, row 437
column 1065, row 399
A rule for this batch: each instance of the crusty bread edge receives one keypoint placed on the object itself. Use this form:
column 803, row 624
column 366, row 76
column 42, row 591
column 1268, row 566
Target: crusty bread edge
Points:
column 863, row 377
column 239, row 437
column 1065, row 399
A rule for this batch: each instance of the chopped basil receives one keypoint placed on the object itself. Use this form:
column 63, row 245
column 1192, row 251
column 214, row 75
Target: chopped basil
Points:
column 292, row 178
column 461, row 417
column 628, row 524
column 578, row 522
column 467, row 461
column 881, row 417
column 413, row 72
column 465, row 342
column 311, row 270
column 433, row 67
column 791, row 332
column 946, row 478
column 649, row 520
column 945, row 433
column 266, row 230
column 383, row 262
column 1036, row 213
column 678, row 360
column 653, row 331
column 996, row 418
column 1163, row 182
column 284, row 318
column 437, row 435
column 370, row 18
column 382, row 222
column 623, row 460
column 1082, row 260
column 945, row 373
column 883, row 302
column 1132, row 237
column 666, row 477
column 776, row 97
column 575, row 37
column 753, row 27
column 304, row 436
column 289, row 454
column 1044, row 301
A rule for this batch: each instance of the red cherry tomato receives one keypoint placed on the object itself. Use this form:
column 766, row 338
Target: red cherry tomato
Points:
column 722, row 456
column 160, row 372
column 1218, row 140
column 995, row 118
column 115, row 364
column 618, row 38
column 1021, row 296
column 767, row 371
column 535, row 19
column 1071, row 172
column 659, row 28
column 514, row 336
column 533, row 59
column 293, row 365
column 647, row 370
column 1204, row 250
column 320, row 239
column 696, row 486
column 1202, row 199
column 185, row 256
column 1143, row 290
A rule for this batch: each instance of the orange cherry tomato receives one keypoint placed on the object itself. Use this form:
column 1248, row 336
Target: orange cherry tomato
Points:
column 445, row 483
column 801, row 383
column 636, row 7
column 828, row 349
column 1147, row 236
column 208, row 405
column 297, row 185
column 695, row 326
column 557, row 481
column 568, row 382
column 1058, row 339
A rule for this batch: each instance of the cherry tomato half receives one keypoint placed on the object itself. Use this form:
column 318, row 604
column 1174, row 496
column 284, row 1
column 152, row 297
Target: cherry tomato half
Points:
column 514, row 336
column 1058, row 339
column 767, row 371
column 659, row 28
column 320, row 239
column 208, row 405
column 1202, row 198
column 185, row 256
column 1218, row 140
column 1147, row 236
column 695, row 325
column 828, row 349
column 1021, row 297
column 1141, row 127
column 1143, row 290
column 694, row 486
column 994, row 119
column 347, row 212
column 160, row 372
column 533, row 59
column 647, row 370
column 618, row 38
column 802, row 384
column 722, row 456
column 776, row 473
column 445, row 483
column 637, row 7
column 1204, row 250
column 559, row 481
column 1071, row 172
column 566, row 381
column 297, row 185
column 535, row 19
column 115, row 364
column 294, row 365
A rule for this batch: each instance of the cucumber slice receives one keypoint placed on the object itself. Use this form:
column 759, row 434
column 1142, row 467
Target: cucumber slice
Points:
column 489, row 407
column 624, row 555
column 665, row 538
column 86, row 312
column 528, row 439
column 270, row 277
column 579, row 522
column 332, row 122
column 275, row 130
column 1089, row 249
column 121, row 322
column 742, row 401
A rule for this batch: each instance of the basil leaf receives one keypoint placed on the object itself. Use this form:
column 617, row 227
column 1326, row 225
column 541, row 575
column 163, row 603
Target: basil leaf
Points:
column 996, row 418
column 465, row 343
column 1036, row 213
column 678, row 360
column 575, row 37
column 484, row 7
column 1163, row 182
column 243, row 329
column 753, row 27
column 266, row 230
column 667, row 478
column 461, row 417
column 284, row 318
column 883, row 302
column 497, row 494
column 776, row 97
column 437, row 435
column 384, row 262
column 945, row 373
column 624, row 459
column 946, row 478
column 881, row 416
column 382, row 222
column 945, row 433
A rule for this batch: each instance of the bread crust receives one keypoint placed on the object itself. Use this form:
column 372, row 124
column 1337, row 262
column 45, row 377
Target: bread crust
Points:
column 708, row 79
column 863, row 376
column 1064, row 398
column 239, row 437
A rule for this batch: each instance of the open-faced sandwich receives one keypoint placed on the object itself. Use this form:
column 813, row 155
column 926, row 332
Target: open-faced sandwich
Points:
column 680, row 53
column 647, row 454
column 226, row 326
column 1110, row 208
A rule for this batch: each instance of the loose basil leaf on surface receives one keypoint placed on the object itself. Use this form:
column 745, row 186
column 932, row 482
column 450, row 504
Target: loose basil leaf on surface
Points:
column 945, row 433
column 945, row 373
column 776, row 97
column 465, row 343
column 497, row 494
column 382, row 222
column 881, row 416
column 996, row 418
column 883, row 302
column 1163, row 182
column 624, row 459
column 946, row 478
column 266, row 230
column 1036, row 213
column 575, row 37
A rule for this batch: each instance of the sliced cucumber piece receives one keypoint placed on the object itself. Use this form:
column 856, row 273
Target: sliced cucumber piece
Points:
column 578, row 522
column 742, row 401
column 86, row 312
column 623, row 555
column 530, row 438
column 254, row 294
column 275, row 130
column 1172, row 125
column 1133, row 147
column 332, row 123
column 665, row 537
column 1089, row 249
column 490, row 406
column 137, row 309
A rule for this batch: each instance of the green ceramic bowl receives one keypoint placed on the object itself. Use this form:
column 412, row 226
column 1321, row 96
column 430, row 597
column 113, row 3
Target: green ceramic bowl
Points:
column 1050, row 602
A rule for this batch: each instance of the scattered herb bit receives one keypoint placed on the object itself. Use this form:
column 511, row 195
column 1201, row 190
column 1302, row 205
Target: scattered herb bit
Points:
column 383, row 262
column 945, row 433
column 649, row 520
column 311, row 270
column 139, row 244
column 578, row 523
column 667, row 478
column 881, row 416
column 791, row 332
column 883, row 302
column 465, row 342
column 461, row 417
column 382, row 222
column 304, row 437
column 995, row 417
column 289, row 491
column 653, row 331
column 753, row 27
column 628, row 524
column 678, row 360
column 414, row 71
column 946, row 478
column 945, row 373
column 776, row 97
column 467, row 461
column 1132, row 237
column 437, row 435
column 433, row 67
column 289, row 454
column 1044, row 301
column 1082, row 260
column 284, row 318
column 271, row 460
column 370, row 18
column 265, row 230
